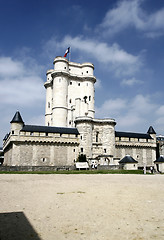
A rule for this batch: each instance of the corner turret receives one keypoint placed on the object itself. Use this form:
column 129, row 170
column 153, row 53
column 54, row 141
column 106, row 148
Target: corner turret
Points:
column 152, row 133
column 151, row 130
column 16, row 124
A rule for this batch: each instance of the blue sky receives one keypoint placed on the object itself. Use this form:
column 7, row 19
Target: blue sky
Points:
column 123, row 39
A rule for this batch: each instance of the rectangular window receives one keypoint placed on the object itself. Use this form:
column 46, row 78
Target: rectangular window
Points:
column 97, row 136
column 81, row 149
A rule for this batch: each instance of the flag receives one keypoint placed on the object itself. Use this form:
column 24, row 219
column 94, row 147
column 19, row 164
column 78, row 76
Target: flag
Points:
column 66, row 52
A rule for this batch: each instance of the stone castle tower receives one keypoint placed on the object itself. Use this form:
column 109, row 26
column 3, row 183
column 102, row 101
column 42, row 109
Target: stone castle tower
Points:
column 69, row 92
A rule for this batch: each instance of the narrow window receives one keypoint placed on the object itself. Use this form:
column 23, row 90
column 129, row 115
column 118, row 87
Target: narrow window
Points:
column 104, row 150
column 74, row 150
column 89, row 98
column 97, row 136
column 13, row 132
column 48, row 104
column 86, row 71
column 81, row 137
column 46, row 134
column 81, row 149
column 48, row 124
column 70, row 83
column 85, row 99
column 70, row 101
column 65, row 68
column 78, row 84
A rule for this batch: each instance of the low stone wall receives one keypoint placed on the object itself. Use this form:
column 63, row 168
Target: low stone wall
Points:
column 108, row 167
column 50, row 168
column 34, row 168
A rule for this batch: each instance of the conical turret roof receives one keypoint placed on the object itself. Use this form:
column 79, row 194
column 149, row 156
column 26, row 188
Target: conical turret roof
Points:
column 17, row 118
column 151, row 130
column 160, row 159
column 128, row 159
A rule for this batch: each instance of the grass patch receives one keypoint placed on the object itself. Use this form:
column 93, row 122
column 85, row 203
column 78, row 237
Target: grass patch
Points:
column 119, row 171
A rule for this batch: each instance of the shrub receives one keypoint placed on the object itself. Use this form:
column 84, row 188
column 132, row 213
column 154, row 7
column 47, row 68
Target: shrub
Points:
column 82, row 158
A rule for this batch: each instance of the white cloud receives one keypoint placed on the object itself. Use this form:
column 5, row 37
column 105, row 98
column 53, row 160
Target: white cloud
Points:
column 160, row 110
column 112, row 57
column 19, row 84
column 9, row 67
column 21, row 87
column 129, row 13
column 98, row 84
column 135, row 114
column 111, row 106
column 130, row 82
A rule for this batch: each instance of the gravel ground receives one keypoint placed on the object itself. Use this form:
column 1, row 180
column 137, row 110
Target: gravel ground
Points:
column 78, row 207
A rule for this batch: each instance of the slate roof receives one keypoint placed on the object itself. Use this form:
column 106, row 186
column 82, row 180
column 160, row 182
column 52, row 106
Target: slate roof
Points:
column 132, row 135
column 160, row 159
column 47, row 129
column 128, row 159
column 151, row 130
column 17, row 118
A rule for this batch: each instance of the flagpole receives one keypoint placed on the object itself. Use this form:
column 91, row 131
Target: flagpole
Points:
column 69, row 54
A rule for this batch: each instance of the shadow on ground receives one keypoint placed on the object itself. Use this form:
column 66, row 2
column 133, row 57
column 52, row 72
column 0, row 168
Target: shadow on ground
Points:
column 15, row 226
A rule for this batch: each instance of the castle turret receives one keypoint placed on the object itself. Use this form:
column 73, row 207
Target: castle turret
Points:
column 16, row 124
column 152, row 133
column 49, row 95
column 60, row 92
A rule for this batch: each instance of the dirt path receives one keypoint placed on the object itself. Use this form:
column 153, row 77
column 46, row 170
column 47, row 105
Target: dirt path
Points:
column 77, row 207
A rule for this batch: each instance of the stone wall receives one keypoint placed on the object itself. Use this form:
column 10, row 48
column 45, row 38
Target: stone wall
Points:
column 40, row 154
column 144, row 155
